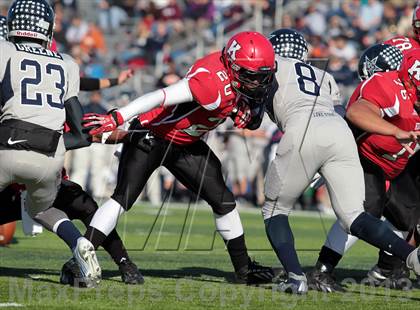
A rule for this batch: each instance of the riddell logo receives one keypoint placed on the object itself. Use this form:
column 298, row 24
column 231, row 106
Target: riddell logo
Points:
column 26, row 34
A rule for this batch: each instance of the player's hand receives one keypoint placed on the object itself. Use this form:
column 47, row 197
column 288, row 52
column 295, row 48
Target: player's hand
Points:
column 406, row 138
column 102, row 122
column 125, row 75
column 241, row 116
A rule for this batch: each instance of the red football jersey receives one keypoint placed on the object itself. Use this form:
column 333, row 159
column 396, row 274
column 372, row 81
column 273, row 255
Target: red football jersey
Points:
column 386, row 91
column 213, row 102
column 404, row 44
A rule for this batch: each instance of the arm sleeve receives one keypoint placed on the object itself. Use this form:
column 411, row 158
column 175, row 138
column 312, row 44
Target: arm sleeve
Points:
column 73, row 77
column 76, row 137
column 374, row 90
column 257, row 116
column 89, row 84
column 169, row 96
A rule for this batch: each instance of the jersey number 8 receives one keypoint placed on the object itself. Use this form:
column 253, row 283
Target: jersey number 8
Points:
column 307, row 79
column 50, row 69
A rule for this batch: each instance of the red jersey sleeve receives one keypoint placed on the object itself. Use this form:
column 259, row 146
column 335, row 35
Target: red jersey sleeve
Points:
column 378, row 91
column 204, row 88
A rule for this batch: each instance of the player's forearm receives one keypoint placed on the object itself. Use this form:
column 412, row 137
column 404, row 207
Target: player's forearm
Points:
column 363, row 115
column 168, row 96
column 76, row 138
column 107, row 83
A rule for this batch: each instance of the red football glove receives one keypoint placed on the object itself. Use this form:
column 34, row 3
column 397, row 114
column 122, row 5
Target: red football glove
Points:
column 103, row 123
column 241, row 116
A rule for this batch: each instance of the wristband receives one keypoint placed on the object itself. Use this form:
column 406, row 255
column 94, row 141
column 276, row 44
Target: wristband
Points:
column 113, row 82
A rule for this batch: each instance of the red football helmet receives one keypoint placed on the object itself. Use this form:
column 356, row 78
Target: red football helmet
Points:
column 249, row 59
column 416, row 22
column 410, row 70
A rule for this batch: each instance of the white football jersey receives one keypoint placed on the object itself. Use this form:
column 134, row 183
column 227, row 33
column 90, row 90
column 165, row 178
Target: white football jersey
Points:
column 35, row 83
column 300, row 87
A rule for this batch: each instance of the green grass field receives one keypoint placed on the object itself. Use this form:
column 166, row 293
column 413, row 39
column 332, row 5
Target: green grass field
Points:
column 185, row 267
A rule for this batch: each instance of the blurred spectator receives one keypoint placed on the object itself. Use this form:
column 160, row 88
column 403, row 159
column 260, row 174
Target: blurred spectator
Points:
column 66, row 3
column 341, row 71
column 90, row 165
column 171, row 13
column 201, row 12
column 93, row 41
column 336, row 26
column 77, row 30
column 111, row 14
column 342, row 48
column 317, row 48
column 60, row 30
column 371, row 15
column 404, row 23
column 315, row 21
column 170, row 76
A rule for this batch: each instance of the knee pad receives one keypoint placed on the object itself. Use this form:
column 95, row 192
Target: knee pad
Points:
column 50, row 217
column 74, row 201
column 224, row 205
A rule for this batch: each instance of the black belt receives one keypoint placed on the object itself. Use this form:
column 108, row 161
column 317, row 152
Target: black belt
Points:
column 20, row 135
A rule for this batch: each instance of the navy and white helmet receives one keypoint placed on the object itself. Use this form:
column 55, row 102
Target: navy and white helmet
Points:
column 379, row 58
column 32, row 19
column 289, row 43
column 3, row 28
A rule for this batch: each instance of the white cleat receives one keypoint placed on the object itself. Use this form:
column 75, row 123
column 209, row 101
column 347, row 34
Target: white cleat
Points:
column 85, row 256
column 413, row 261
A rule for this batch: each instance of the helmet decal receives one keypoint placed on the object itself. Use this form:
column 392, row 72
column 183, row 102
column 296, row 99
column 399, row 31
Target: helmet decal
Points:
column 233, row 48
column 379, row 58
column 414, row 70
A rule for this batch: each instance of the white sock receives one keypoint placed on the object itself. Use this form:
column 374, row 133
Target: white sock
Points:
column 338, row 240
column 106, row 217
column 229, row 225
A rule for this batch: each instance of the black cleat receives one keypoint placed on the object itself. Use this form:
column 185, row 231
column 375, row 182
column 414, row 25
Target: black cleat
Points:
column 397, row 279
column 130, row 274
column 254, row 274
column 319, row 279
column 71, row 275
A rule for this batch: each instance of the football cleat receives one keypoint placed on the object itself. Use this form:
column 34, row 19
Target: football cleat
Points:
column 254, row 274
column 413, row 261
column 85, row 257
column 320, row 279
column 71, row 275
column 397, row 278
column 295, row 284
column 130, row 274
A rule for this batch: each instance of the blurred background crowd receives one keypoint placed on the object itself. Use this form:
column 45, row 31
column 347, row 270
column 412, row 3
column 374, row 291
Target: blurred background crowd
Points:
column 160, row 39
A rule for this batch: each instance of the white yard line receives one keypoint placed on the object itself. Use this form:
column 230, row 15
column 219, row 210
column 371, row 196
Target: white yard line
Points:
column 10, row 304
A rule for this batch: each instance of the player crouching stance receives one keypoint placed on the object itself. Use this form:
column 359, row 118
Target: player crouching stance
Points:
column 37, row 86
column 380, row 109
column 317, row 139
column 170, row 123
